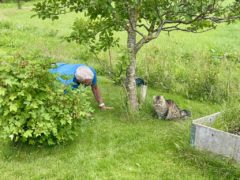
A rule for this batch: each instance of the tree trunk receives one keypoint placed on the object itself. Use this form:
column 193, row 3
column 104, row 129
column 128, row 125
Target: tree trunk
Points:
column 19, row 4
column 131, row 70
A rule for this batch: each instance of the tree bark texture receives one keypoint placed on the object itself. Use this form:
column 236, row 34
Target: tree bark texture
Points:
column 19, row 4
column 131, row 71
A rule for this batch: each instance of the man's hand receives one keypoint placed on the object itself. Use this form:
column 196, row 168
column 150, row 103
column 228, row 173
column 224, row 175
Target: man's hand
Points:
column 99, row 99
column 103, row 107
column 106, row 108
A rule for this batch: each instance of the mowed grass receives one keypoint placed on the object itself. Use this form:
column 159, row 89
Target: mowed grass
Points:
column 116, row 144
column 119, row 146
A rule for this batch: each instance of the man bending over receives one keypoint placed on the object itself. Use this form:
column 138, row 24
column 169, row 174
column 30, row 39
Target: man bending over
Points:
column 80, row 74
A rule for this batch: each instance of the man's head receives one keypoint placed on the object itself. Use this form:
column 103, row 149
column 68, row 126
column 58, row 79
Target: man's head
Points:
column 84, row 75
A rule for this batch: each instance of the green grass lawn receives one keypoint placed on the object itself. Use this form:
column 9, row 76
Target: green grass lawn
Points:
column 115, row 144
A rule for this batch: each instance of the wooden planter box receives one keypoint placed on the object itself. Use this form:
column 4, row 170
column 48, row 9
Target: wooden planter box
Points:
column 206, row 138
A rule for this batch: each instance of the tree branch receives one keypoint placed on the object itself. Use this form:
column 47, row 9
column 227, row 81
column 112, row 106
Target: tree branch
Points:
column 130, row 22
column 143, row 25
column 175, row 28
column 149, row 37
column 199, row 17
column 221, row 20
column 134, row 29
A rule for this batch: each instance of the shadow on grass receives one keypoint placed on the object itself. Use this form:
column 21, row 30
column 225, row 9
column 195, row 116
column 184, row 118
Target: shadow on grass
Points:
column 210, row 164
column 23, row 152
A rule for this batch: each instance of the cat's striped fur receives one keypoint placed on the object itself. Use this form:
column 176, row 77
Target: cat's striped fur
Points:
column 168, row 109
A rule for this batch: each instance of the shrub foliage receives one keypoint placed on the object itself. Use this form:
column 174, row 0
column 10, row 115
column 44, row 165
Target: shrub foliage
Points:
column 33, row 107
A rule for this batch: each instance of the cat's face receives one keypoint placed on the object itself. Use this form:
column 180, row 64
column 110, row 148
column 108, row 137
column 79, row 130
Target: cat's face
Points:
column 158, row 100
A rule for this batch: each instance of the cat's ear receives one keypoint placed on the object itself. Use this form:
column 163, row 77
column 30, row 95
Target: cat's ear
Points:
column 162, row 98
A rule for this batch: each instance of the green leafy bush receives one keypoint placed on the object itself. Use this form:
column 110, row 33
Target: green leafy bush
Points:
column 33, row 106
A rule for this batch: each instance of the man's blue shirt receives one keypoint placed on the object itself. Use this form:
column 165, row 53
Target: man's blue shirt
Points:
column 69, row 70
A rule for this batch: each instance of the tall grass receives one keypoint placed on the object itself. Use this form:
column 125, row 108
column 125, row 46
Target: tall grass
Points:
column 207, row 79
column 198, row 66
column 203, row 66
column 230, row 119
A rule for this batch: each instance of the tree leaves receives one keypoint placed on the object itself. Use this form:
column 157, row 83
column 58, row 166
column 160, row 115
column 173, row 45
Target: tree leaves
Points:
column 13, row 107
column 104, row 17
column 2, row 91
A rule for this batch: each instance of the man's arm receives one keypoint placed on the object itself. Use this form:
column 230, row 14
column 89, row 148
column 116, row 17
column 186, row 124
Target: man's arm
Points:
column 97, row 94
column 98, row 97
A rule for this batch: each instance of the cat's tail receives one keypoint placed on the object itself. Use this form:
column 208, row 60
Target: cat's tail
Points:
column 186, row 113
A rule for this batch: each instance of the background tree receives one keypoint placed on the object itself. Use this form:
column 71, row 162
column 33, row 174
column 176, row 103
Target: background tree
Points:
column 142, row 20
column 19, row 4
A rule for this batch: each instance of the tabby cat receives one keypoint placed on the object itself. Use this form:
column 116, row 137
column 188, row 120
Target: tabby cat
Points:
column 168, row 109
